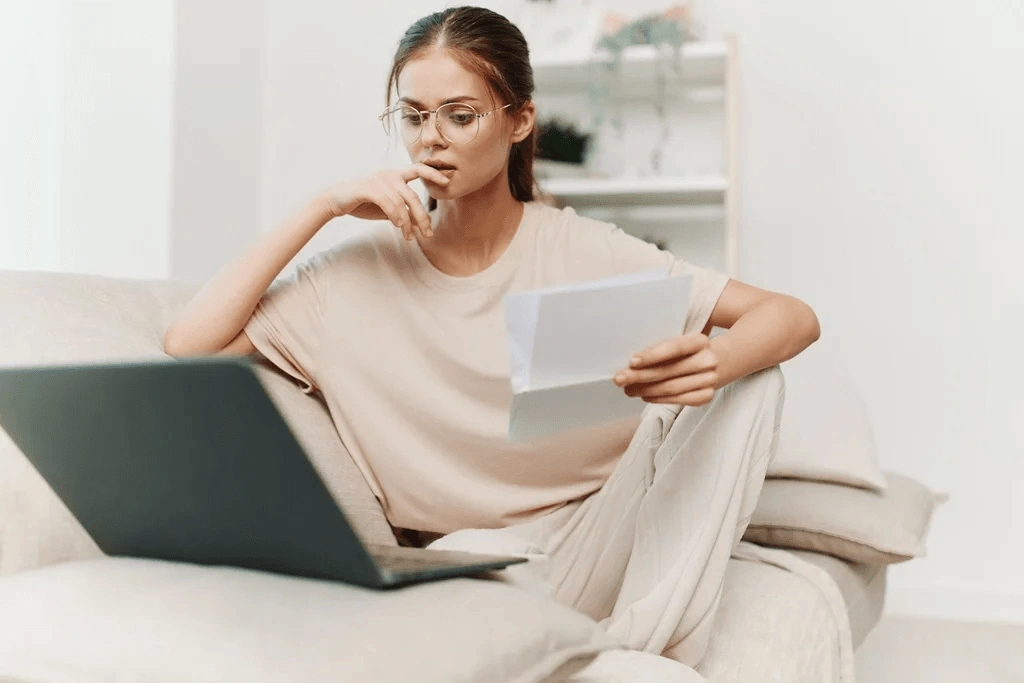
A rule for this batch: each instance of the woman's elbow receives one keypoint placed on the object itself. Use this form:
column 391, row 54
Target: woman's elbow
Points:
column 813, row 326
column 172, row 346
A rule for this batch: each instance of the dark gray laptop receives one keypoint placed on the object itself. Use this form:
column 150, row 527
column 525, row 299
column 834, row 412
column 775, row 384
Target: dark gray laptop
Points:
column 189, row 460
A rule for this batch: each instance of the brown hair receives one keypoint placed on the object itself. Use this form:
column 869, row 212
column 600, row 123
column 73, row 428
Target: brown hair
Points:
column 489, row 44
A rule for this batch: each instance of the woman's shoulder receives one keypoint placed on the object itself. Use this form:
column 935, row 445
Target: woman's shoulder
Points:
column 565, row 227
column 554, row 221
column 596, row 246
column 362, row 249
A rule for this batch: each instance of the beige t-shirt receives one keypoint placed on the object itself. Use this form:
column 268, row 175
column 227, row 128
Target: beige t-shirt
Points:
column 414, row 366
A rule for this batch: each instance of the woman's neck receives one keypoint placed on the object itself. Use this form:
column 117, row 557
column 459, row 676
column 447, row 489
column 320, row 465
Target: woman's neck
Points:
column 472, row 232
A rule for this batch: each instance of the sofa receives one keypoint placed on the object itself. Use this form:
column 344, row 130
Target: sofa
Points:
column 72, row 614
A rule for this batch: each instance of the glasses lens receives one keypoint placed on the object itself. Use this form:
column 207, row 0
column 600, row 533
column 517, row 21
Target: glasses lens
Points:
column 405, row 122
column 459, row 122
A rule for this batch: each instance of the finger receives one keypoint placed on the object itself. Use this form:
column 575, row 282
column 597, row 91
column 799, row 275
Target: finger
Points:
column 673, row 347
column 658, row 373
column 426, row 173
column 677, row 367
column 398, row 212
column 674, row 387
column 695, row 398
column 419, row 215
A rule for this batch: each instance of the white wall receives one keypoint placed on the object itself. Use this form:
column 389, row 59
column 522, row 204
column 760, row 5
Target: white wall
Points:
column 325, row 69
column 132, row 136
column 218, row 134
column 114, row 147
column 29, row 65
column 881, row 164
column 85, row 96
column 880, row 159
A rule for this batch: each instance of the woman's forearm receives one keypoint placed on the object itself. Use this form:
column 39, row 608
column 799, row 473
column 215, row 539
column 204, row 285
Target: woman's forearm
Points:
column 222, row 308
column 770, row 333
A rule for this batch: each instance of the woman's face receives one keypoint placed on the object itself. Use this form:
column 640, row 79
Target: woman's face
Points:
column 436, row 78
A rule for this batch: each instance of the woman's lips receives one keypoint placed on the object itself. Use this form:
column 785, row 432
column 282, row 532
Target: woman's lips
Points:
column 447, row 172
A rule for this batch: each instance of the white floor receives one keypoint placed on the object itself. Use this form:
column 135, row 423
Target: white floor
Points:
column 908, row 650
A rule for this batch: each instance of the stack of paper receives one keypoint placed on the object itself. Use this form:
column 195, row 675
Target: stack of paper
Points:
column 566, row 344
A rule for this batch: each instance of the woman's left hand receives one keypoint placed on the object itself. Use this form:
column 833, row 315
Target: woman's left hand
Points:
column 682, row 370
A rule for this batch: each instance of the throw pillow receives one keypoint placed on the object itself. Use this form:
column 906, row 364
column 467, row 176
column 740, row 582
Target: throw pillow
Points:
column 846, row 522
column 145, row 620
column 825, row 434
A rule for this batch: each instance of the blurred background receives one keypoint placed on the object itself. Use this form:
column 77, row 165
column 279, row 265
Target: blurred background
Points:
column 865, row 157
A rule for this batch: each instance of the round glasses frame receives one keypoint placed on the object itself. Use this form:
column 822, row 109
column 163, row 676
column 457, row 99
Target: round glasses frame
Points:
column 425, row 113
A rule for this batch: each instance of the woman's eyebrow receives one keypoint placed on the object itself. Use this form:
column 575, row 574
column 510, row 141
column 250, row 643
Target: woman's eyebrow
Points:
column 460, row 98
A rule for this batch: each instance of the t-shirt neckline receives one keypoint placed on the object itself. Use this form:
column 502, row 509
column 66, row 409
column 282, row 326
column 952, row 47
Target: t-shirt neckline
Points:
column 492, row 274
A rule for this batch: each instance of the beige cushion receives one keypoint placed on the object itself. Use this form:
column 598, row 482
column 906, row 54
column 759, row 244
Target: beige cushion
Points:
column 843, row 521
column 57, row 318
column 863, row 588
column 144, row 620
column 617, row 666
column 771, row 625
column 825, row 433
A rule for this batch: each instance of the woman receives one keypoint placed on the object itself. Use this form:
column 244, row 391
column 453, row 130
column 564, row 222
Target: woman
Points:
column 402, row 331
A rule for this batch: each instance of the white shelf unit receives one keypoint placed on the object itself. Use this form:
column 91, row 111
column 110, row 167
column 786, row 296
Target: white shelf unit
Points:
column 705, row 65
column 652, row 191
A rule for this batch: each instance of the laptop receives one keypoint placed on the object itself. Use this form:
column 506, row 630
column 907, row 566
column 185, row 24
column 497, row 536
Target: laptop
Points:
column 189, row 460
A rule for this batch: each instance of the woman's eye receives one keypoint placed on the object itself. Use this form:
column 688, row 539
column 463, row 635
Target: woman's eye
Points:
column 461, row 119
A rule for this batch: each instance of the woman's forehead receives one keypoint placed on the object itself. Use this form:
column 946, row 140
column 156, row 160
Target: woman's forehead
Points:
column 436, row 76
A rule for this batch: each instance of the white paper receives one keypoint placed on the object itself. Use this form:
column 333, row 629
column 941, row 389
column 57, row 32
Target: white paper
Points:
column 566, row 344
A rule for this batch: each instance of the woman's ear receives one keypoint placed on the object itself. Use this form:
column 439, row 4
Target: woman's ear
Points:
column 524, row 122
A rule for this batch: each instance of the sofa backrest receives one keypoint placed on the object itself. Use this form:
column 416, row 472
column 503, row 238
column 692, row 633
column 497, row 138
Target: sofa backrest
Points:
column 51, row 318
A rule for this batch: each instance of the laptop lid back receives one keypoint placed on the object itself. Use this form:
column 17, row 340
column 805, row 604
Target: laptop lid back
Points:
column 184, row 460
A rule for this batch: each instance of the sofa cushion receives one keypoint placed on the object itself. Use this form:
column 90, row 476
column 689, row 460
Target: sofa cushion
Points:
column 825, row 434
column 133, row 620
column 849, row 523
column 60, row 318
column 775, row 625
column 863, row 588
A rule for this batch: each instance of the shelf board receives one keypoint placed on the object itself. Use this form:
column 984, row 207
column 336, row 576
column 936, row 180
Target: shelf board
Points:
column 703, row 63
column 695, row 190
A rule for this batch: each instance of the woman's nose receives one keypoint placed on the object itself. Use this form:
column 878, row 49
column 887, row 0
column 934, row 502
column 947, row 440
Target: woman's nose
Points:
column 429, row 133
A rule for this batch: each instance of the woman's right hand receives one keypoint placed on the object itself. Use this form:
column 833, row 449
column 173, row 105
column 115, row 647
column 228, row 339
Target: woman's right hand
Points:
column 386, row 194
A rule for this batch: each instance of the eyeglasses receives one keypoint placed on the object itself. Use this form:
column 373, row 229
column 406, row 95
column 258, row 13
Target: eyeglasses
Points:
column 457, row 123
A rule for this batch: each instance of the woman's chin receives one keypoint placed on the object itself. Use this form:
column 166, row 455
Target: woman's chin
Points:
column 437, row 192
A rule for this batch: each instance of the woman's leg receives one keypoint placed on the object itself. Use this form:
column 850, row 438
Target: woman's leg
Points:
column 646, row 554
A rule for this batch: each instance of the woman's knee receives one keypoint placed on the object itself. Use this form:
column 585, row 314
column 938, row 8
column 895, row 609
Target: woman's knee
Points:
column 768, row 385
column 770, row 380
column 531, row 575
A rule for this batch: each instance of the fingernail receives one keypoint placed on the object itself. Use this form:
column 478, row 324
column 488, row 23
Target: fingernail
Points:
column 620, row 378
column 635, row 360
column 430, row 233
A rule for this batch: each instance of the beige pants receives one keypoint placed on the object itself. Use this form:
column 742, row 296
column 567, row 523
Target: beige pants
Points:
column 646, row 554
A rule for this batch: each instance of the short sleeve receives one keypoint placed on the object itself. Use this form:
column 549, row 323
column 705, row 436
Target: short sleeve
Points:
column 632, row 254
column 287, row 324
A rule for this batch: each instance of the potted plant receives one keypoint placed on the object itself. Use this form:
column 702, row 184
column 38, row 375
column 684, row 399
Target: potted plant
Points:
column 667, row 32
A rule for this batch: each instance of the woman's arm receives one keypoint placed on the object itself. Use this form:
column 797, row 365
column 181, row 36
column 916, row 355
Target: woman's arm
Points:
column 213, row 321
column 763, row 329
